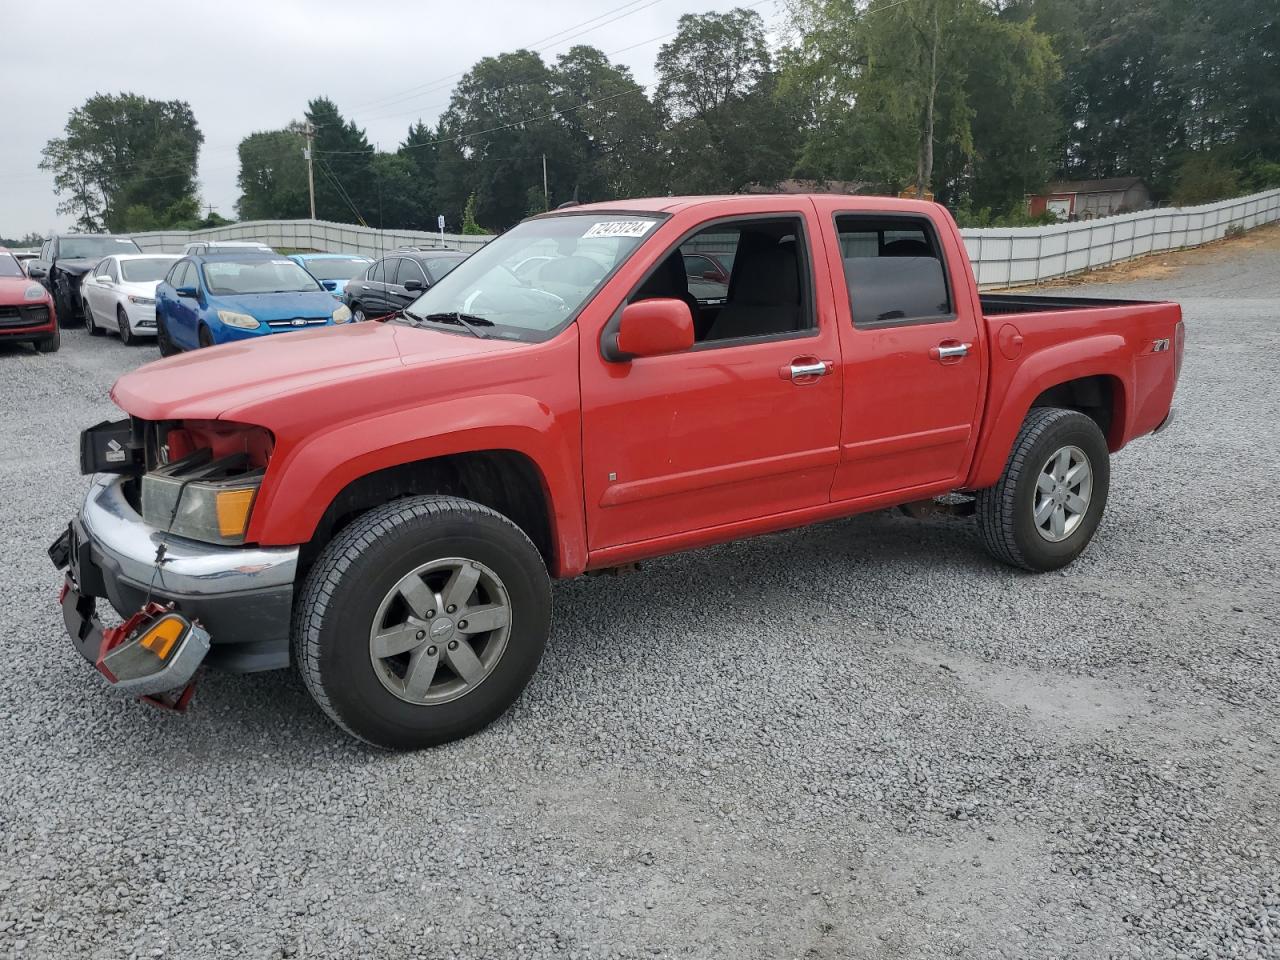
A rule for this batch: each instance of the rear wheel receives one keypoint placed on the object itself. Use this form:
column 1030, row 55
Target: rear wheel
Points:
column 422, row 622
column 122, row 324
column 205, row 336
column 89, row 322
column 1047, row 505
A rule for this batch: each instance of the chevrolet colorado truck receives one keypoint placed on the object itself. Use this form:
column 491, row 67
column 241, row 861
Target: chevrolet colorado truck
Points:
column 383, row 505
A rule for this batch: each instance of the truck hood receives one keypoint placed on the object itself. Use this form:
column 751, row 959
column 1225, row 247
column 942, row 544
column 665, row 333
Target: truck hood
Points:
column 78, row 267
column 204, row 384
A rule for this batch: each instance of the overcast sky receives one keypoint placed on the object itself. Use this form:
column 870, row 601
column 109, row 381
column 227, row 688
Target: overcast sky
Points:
column 246, row 66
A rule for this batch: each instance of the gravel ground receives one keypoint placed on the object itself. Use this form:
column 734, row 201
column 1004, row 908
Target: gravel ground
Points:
column 861, row 740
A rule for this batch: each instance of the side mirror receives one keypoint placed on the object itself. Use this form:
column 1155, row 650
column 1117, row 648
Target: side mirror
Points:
column 189, row 292
column 414, row 285
column 104, row 277
column 649, row 328
column 36, row 273
column 330, row 285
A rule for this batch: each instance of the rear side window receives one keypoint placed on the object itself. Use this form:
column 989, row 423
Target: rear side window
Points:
column 894, row 271
column 377, row 271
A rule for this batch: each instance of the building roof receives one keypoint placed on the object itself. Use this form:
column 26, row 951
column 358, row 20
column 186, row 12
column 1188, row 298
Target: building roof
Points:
column 1108, row 185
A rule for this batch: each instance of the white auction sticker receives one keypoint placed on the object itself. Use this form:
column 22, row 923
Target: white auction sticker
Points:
column 619, row 228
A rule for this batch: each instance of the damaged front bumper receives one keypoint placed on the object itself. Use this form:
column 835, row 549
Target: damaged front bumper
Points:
column 242, row 597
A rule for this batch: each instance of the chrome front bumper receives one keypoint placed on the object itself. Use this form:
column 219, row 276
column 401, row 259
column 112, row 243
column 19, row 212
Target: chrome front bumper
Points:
column 243, row 596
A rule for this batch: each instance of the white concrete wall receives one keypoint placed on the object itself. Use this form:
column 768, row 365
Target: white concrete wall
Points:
column 1001, row 257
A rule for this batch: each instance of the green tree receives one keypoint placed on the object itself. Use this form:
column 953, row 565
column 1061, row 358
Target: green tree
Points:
column 344, row 175
column 728, row 125
column 612, row 125
column 124, row 160
column 421, row 149
column 502, row 120
column 273, row 176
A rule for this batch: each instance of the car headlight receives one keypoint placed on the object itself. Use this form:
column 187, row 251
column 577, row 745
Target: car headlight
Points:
column 241, row 320
column 213, row 511
column 34, row 292
column 145, row 301
column 342, row 314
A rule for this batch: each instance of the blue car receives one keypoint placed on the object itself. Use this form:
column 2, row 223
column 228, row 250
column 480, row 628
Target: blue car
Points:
column 220, row 297
column 333, row 270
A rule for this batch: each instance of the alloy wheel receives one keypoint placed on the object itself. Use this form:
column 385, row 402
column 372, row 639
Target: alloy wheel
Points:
column 1064, row 488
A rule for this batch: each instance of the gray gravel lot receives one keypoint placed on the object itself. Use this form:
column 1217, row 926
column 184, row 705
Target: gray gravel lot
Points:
column 860, row 740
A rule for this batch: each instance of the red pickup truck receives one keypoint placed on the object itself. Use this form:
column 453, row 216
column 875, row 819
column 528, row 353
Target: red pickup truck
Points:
column 384, row 504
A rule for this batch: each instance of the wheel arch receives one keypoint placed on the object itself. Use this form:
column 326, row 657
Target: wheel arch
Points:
column 1089, row 375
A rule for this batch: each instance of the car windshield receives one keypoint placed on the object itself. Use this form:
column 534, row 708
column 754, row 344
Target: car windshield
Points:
column 148, row 270
column 9, row 266
column 92, row 248
column 257, row 275
column 338, row 268
column 581, row 251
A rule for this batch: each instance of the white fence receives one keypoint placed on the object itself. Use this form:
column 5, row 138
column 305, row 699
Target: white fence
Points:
column 1004, row 257
column 1001, row 257
column 309, row 235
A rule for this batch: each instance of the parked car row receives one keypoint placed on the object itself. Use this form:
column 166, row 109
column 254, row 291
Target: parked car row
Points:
column 212, row 292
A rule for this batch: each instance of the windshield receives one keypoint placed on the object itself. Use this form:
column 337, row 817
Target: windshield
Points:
column 575, row 254
column 150, row 270
column 338, row 268
column 257, row 275
column 9, row 266
column 90, row 248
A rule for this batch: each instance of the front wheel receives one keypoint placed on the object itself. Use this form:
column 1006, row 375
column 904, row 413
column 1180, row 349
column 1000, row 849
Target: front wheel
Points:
column 51, row 343
column 422, row 622
column 167, row 347
column 1049, row 501
column 205, row 336
column 122, row 324
column 357, row 313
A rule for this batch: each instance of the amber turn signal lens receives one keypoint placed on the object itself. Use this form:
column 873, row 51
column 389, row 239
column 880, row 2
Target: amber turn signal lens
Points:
column 233, row 511
column 162, row 635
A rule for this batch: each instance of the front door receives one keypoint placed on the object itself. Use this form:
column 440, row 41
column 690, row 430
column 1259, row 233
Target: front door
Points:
column 913, row 370
column 743, row 425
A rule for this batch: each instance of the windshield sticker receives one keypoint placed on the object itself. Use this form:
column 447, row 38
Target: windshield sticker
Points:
column 619, row 228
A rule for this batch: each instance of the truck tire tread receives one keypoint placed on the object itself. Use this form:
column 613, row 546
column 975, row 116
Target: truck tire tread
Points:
column 338, row 557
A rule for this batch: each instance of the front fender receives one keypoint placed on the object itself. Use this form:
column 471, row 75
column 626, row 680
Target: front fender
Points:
column 301, row 485
column 1013, row 392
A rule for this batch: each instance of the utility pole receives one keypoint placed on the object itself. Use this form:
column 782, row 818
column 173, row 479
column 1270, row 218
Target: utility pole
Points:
column 546, row 199
column 310, row 132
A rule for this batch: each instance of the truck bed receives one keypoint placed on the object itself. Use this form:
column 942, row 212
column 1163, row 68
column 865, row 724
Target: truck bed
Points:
column 994, row 304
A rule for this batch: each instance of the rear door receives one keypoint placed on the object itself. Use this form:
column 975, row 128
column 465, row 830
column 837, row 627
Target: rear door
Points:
column 743, row 425
column 374, row 295
column 397, row 296
column 914, row 368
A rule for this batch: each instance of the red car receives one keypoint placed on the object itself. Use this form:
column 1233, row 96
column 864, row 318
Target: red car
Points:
column 383, row 505
column 26, row 309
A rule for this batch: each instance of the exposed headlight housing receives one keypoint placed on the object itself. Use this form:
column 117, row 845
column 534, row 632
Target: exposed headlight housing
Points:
column 145, row 301
column 342, row 314
column 202, row 498
column 33, row 292
column 242, row 320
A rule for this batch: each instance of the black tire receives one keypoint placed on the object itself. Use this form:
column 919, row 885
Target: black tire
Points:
column 1006, row 512
column 122, row 324
column 167, row 347
column 90, row 322
column 50, row 344
column 343, row 593
column 205, row 336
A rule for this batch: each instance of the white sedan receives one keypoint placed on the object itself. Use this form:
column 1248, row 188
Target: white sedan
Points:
column 120, row 294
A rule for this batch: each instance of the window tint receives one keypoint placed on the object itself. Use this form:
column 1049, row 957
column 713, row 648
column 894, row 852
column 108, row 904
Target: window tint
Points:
column 409, row 270
column 766, row 292
column 183, row 275
column 893, row 270
column 378, row 271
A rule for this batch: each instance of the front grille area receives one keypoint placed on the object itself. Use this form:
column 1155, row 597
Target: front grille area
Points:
column 24, row 316
column 297, row 323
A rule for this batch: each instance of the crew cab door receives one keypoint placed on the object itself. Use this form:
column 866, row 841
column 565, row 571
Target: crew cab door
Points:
column 914, row 365
column 738, row 427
